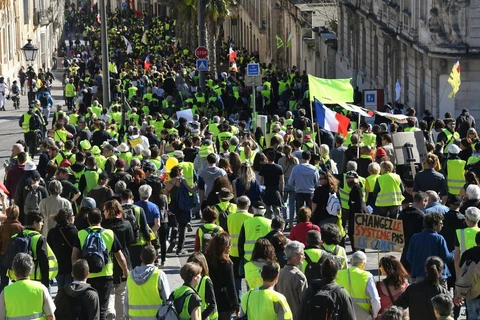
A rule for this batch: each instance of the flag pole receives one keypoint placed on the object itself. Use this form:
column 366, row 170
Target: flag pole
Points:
column 358, row 127
column 313, row 128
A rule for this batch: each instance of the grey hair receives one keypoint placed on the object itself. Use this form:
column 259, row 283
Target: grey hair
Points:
column 55, row 187
column 359, row 258
column 324, row 149
column 433, row 196
column 22, row 265
column 352, row 166
column 120, row 186
column 473, row 214
column 19, row 146
column 473, row 192
column 145, row 191
column 135, row 162
column 243, row 203
column 293, row 247
column 314, row 238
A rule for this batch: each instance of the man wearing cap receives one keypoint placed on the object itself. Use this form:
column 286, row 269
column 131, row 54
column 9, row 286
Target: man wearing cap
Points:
column 455, row 171
column 224, row 208
column 30, row 122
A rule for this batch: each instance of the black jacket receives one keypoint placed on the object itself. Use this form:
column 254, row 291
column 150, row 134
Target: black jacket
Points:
column 452, row 221
column 86, row 298
column 61, row 239
column 356, row 202
column 341, row 297
column 124, row 232
column 412, row 223
column 224, row 286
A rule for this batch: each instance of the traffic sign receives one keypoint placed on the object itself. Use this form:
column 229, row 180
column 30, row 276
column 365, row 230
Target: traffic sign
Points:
column 253, row 81
column 201, row 52
column 253, row 69
column 202, row 64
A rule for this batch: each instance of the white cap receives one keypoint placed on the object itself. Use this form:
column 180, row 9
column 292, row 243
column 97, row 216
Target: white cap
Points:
column 30, row 166
column 454, row 149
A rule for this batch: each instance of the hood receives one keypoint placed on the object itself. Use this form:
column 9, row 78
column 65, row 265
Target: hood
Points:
column 142, row 273
column 77, row 167
column 77, row 289
column 259, row 263
column 305, row 170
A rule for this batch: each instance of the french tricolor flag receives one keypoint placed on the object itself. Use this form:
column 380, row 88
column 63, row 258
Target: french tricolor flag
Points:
column 330, row 120
column 147, row 63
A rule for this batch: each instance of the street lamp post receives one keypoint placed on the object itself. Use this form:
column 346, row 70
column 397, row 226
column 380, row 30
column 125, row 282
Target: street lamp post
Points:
column 30, row 54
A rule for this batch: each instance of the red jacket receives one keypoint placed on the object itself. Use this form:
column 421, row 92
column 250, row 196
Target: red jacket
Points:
column 299, row 232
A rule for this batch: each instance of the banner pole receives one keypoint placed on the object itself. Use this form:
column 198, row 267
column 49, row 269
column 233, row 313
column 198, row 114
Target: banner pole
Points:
column 358, row 129
column 378, row 264
column 313, row 128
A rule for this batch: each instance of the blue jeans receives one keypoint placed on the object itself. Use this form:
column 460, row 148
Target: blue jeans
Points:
column 63, row 280
column 290, row 195
column 473, row 309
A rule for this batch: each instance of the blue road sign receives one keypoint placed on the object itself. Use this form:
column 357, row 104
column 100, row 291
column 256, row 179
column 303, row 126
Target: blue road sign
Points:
column 124, row 5
column 202, row 64
column 371, row 97
column 253, row 69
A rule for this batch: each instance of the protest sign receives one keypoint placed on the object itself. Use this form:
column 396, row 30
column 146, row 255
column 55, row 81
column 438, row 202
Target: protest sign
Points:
column 187, row 114
column 378, row 233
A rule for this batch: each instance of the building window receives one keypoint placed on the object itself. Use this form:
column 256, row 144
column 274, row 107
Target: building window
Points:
column 423, row 10
column 26, row 11
column 364, row 48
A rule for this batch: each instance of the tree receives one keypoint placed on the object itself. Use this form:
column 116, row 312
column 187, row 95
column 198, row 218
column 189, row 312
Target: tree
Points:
column 185, row 12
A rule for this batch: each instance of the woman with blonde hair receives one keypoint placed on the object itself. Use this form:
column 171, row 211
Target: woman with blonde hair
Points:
column 246, row 184
column 288, row 162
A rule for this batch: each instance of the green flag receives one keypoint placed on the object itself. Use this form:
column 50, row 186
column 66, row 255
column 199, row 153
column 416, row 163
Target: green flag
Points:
column 289, row 40
column 330, row 90
column 279, row 42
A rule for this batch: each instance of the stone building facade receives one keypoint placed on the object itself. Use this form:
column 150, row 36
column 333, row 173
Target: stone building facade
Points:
column 415, row 42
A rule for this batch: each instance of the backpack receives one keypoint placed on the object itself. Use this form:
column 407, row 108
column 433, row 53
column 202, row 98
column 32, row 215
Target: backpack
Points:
column 222, row 216
column 68, row 307
column 467, row 285
column 333, row 204
column 208, row 235
column 313, row 270
column 32, row 200
column 15, row 90
column 43, row 100
column 130, row 214
column 94, row 250
column 322, row 304
column 65, row 163
column 168, row 310
column 34, row 122
column 22, row 243
column 185, row 201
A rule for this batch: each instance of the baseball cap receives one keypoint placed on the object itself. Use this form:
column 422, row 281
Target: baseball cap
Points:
column 352, row 174
column 88, row 202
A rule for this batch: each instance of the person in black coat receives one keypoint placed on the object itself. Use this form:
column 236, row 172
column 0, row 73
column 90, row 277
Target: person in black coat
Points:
column 61, row 239
column 412, row 217
column 85, row 297
column 355, row 203
column 124, row 232
column 346, row 310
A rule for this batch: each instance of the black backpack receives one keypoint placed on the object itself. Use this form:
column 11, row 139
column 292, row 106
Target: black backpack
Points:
column 43, row 100
column 129, row 214
column 222, row 216
column 313, row 270
column 68, row 307
column 322, row 304
column 207, row 236
column 35, row 122
column 21, row 243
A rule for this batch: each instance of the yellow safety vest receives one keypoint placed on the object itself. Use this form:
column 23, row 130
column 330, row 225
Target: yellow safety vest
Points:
column 473, row 159
column 390, row 193
column 330, row 248
column 108, row 236
column 371, row 180
column 345, row 191
column 180, row 292
column 450, row 139
column 205, row 150
column 213, row 127
column 234, row 223
column 201, row 292
column 261, row 304
column 144, row 300
column 141, row 239
column 126, row 156
column 354, row 280
column 456, row 175
column 52, row 259
column 26, row 123
column 250, row 160
column 224, row 136
column 255, row 228
column 466, row 238
column 253, row 275
column 24, row 300
column 91, row 180
column 369, row 139
column 188, row 172
column 314, row 254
